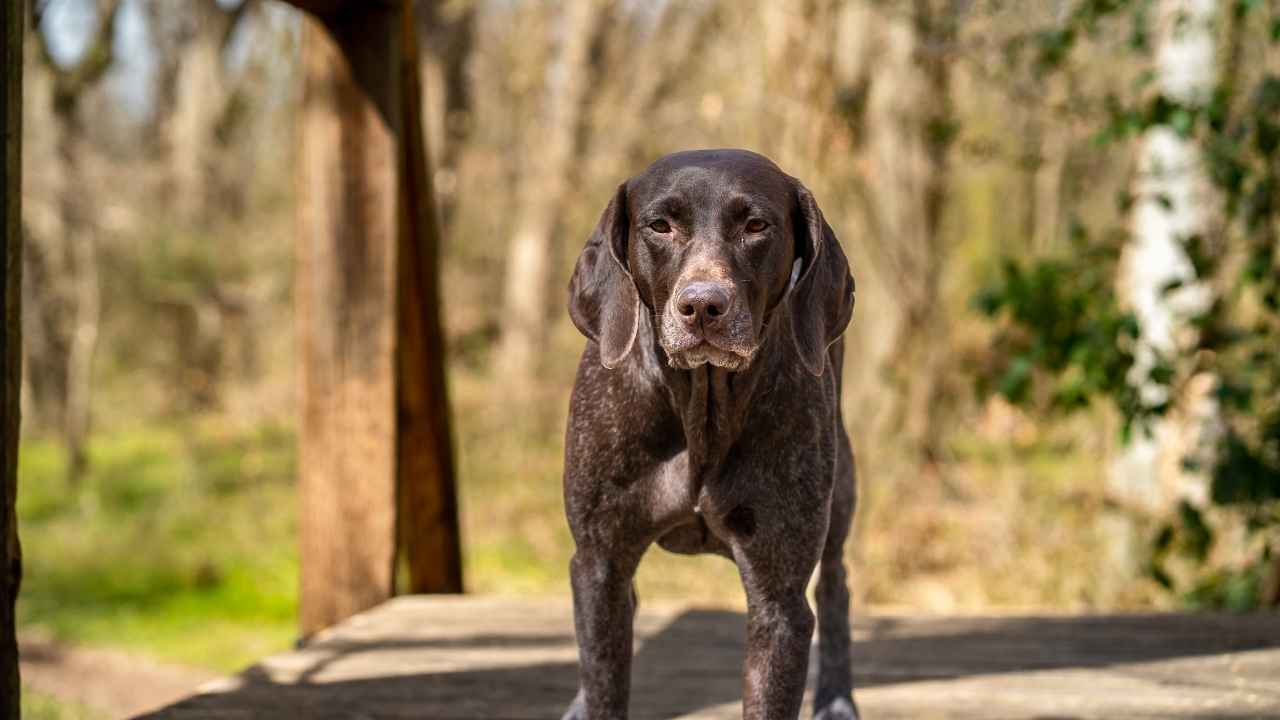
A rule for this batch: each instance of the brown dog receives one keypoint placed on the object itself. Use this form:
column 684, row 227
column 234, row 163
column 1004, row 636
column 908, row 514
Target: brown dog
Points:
column 706, row 417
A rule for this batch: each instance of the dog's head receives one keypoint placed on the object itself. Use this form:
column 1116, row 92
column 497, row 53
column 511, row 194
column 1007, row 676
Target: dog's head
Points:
column 714, row 244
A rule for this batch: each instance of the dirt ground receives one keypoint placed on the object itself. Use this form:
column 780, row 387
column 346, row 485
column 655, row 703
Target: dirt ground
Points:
column 114, row 683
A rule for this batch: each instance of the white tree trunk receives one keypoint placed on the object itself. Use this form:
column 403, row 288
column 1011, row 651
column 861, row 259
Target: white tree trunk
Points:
column 1172, row 203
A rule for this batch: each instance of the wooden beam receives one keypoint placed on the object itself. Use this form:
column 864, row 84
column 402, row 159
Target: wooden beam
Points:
column 376, row 463
column 429, row 534
column 11, row 31
column 319, row 8
column 347, row 235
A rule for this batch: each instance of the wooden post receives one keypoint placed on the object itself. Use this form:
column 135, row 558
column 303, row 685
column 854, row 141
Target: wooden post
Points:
column 11, row 18
column 374, row 423
column 429, row 534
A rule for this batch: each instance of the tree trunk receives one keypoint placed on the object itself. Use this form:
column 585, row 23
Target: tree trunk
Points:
column 11, row 35
column 84, row 294
column 1172, row 203
column 65, row 293
column 620, row 123
column 374, row 427
column 62, row 292
column 429, row 532
column 447, row 45
column 200, row 96
column 905, row 74
column 937, row 29
column 553, row 142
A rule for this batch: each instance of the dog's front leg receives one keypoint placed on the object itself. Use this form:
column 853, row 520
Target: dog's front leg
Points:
column 779, row 630
column 604, row 606
column 776, row 552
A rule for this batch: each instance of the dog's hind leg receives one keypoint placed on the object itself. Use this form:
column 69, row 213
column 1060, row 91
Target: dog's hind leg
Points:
column 833, row 699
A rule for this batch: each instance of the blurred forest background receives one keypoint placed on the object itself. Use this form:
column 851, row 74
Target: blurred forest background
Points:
column 1062, row 382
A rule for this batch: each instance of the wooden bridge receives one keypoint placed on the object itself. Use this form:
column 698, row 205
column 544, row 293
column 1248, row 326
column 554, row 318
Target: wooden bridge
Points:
column 472, row 657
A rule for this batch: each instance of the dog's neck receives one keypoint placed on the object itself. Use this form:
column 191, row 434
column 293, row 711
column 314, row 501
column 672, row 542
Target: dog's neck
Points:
column 712, row 403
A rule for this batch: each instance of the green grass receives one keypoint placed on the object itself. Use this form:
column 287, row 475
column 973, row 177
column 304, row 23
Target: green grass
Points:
column 179, row 543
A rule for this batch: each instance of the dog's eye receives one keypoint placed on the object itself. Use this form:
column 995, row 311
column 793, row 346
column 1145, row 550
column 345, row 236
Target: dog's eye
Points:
column 757, row 225
column 660, row 226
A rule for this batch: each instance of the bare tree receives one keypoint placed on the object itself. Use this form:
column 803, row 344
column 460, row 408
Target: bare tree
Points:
column 907, row 122
column 650, row 58
column 64, row 300
column 202, row 97
column 202, row 109
column 448, row 31
column 553, row 142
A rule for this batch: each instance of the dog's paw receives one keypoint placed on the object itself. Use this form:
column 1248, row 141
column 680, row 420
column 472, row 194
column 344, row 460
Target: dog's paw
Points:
column 838, row 709
column 577, row 709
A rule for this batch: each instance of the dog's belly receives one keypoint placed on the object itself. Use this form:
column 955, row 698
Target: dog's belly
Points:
column 673, row 499
column 693, row 538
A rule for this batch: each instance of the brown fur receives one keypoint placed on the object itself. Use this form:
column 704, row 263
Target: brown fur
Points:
column 713, row 430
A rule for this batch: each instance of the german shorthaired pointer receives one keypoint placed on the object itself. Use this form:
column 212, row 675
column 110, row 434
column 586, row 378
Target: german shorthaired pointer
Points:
column 706, row 417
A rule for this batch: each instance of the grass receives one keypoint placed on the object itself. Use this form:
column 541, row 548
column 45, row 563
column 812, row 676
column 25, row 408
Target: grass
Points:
column 1014, row 518
column 179, row 543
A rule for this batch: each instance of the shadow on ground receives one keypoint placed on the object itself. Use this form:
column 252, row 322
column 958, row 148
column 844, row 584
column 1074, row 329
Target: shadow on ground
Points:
column 692, row 664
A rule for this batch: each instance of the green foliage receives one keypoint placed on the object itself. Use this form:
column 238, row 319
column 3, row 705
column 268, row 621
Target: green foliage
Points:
column 1063, row 325
column 1063, row 336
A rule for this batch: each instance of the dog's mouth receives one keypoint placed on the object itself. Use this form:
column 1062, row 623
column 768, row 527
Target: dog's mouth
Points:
column 730, row 345
column 704, row 353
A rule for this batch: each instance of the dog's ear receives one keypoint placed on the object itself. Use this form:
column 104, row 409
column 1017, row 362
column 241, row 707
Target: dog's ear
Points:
column 603, row 300
column 822, row 298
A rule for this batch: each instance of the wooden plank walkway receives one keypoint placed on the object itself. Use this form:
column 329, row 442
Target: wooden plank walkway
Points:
column 476, row 657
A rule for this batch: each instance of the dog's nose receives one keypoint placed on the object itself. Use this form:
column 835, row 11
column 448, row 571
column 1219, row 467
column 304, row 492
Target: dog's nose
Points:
column 703, row 301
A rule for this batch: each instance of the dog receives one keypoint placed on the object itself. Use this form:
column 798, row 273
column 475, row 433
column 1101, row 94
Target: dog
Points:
column 705, row 417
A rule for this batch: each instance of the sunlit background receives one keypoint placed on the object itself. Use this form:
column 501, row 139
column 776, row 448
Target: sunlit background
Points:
column 1061, row 217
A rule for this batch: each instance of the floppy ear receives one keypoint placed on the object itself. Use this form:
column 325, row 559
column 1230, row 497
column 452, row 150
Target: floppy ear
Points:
column 603, row 300
column 822, row 298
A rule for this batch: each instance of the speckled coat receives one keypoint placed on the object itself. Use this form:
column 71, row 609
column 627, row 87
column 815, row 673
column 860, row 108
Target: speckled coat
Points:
column 744, row 455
